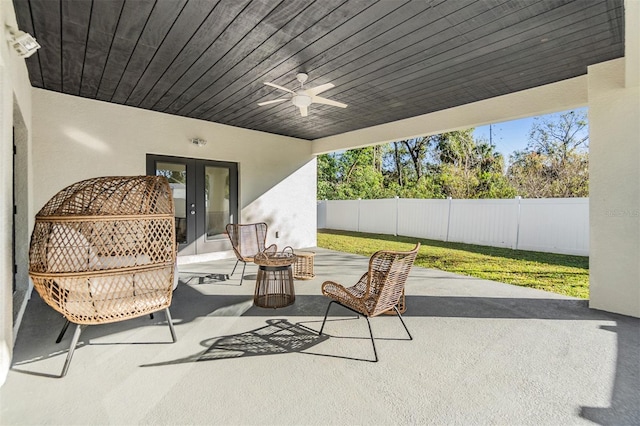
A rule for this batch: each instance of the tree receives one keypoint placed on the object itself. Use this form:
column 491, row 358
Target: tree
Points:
column 327, row 176
column 555, row 162
column 350, row 175
column 406, row 160
column 451, row 164
column 454, row 164
column 470, row 168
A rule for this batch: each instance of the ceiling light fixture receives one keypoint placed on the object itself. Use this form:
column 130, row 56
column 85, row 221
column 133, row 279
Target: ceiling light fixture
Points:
column 301, row 100
column 23, row 43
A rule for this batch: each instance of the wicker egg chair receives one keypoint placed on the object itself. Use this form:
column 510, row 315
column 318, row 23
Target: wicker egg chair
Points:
column 103, row 250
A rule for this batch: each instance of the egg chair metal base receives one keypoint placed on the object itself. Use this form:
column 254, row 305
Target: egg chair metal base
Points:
column 78, row 331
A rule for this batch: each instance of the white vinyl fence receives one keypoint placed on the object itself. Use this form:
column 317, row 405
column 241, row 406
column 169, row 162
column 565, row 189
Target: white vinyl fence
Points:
column 554, row 225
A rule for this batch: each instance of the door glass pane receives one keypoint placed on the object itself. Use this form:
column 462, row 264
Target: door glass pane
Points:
column 177, row 175
column 216, row 188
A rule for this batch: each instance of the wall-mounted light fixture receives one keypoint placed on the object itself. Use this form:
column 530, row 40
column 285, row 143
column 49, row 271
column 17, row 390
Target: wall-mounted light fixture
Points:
column 198, row 141
column 23, row 43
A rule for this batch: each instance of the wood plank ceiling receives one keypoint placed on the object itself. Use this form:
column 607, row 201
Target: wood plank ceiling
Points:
column 389, row 59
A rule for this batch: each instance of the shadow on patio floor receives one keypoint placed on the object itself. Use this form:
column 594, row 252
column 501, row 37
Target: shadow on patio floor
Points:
column 277, row 337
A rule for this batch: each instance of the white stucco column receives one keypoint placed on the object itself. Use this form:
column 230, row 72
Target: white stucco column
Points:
column 614, row 193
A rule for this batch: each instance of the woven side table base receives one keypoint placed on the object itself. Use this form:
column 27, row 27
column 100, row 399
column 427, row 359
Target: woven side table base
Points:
column 303, row 268
column 274, row 287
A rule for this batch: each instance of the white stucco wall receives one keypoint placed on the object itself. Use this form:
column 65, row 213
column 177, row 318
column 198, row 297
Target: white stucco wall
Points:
column 15, row 93
column 614, row 176
column 76, row 138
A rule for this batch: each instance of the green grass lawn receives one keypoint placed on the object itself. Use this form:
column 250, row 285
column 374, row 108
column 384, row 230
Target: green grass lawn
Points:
column 558, row 273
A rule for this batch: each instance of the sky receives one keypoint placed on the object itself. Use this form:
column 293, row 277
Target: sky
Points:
column 513, row 135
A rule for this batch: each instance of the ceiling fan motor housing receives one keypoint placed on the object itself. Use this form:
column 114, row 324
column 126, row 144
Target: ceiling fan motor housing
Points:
column 302, row 77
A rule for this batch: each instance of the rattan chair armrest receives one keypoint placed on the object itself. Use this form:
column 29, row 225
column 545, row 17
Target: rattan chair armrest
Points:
column 335, row 290
column 350, row 297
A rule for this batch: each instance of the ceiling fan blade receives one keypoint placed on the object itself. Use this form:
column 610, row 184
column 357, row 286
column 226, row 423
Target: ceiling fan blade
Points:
column 275, row 101
column 325, row 101
column 279, row 87
column 319, row 89
column 303, row 111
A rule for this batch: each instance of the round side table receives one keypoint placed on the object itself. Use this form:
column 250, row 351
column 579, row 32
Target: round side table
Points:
column 303, row 268
column 274, row 284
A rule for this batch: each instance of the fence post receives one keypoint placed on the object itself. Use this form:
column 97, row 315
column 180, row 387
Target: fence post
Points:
column 448, row 219
column 359, row 202
column 518, row 198
column 397, row 218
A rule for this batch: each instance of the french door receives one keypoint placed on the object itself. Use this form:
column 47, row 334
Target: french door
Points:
column 205, row 195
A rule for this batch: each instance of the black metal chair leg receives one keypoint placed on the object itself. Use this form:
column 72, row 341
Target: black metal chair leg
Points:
column 170, row 321
column 325, row 318
column 234, row 267
column 373, row 342
column 64, row 330
column 403, row 324
column 375, row 353
column 72, row 348
column 243, row 268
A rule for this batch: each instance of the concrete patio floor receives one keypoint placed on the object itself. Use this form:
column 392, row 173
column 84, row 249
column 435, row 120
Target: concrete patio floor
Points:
column 483, row 353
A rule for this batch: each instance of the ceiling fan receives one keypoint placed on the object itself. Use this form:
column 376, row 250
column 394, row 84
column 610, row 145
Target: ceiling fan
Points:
column 302, row 98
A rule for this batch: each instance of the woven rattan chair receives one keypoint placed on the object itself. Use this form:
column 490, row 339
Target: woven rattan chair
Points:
column 247, row 241
column 103, row 250
column 378, row 291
